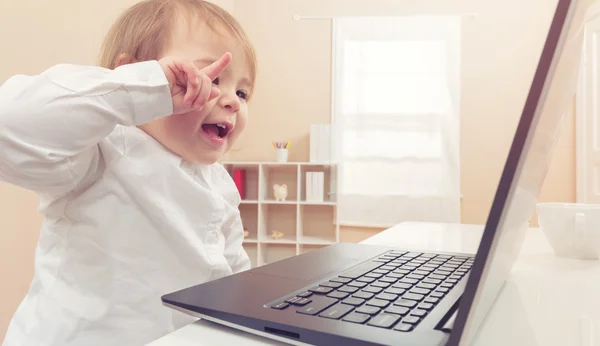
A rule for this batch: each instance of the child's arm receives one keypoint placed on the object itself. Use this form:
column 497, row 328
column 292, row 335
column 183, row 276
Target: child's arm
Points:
column 50, row 124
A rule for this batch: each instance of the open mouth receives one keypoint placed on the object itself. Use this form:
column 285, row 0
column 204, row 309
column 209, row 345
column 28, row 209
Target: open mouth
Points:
column 220, row 130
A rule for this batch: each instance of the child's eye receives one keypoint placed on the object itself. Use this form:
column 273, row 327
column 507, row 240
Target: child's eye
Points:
column 216, row 81
column 242, row 94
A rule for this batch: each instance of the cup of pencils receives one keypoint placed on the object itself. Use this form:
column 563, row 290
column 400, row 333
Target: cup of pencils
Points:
column 281, row 149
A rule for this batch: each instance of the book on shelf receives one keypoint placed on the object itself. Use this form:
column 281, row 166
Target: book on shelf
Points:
column 315, row 186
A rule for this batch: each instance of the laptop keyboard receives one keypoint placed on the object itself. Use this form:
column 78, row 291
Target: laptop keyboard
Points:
column 396, row 290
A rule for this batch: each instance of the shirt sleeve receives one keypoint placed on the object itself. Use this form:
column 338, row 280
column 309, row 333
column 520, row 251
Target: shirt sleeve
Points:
column 234, row 251
column 51, row 124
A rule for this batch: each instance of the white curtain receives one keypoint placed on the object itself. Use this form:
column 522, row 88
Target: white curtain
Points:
column 396, row 102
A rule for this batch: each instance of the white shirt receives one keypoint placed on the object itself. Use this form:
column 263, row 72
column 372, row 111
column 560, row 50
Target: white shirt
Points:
column 125, row 220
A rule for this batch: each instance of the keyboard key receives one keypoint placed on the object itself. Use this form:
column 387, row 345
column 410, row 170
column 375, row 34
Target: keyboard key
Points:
column 415, row 276
column 366, row 279
column 393, row 290
column 409, row 267
column 378, row 303
column 342, row 280
column 432, row 281
column 387, row 296
column 405, row 303
column 373, row 275
column 337, row 295
column 381, row 284
column 402, row 285
column 372, row 289
column 348, row 289
column 357, row 284
column 424, row 270
column 427, row 255
column 437, row 294
column 363, row 295
column 369, row 310
column 336, row 312
column 396, row 253
column 381, row 271
column 432, row 300
column 305, row 294
column 417, row 290
column 398, row 310
column 444, row 257
column 442, row 272
column 360, row 270
column 394, row 275
column 413, row 296
column 455, row 277
column 280, row 306
column 411, row 319
column 437, row 263
column 387, row 268
column 384, row 320
column 452, row 281
column 388, row 279
column 383, row 261
column 443, row 290
column 321, row 290
column 419, row 312
column 447, row 285
column 426, row 306
column 436, row 276
column 394, row 265
column 403, row 327
column 332, row 284
column 450, row 267
column 356, row 318
column 318, row 304
column 421, row 272
column 426, row 285
column 401, row 271
column 413, row 254
column 293, row 300
column 409, row 281
column 302, row 302
column 353, row 301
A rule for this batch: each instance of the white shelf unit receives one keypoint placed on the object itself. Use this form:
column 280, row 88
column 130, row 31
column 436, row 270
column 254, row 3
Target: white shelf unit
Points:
column 306, row 225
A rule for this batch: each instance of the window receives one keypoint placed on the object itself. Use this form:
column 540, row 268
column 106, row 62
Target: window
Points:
column 396, row 87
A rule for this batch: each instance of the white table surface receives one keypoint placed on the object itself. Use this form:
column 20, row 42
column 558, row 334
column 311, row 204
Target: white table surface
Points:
column 547, row 301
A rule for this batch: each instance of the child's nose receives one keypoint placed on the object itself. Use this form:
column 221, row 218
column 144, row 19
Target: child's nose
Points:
column 230, row 101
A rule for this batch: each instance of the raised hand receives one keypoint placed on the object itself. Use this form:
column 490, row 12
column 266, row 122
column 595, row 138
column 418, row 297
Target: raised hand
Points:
column 192, row 88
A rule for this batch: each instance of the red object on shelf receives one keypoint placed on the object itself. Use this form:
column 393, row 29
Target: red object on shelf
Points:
column 239, row 178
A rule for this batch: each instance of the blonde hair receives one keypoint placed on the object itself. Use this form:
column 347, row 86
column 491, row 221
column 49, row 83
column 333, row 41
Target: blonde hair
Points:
column 145, row 29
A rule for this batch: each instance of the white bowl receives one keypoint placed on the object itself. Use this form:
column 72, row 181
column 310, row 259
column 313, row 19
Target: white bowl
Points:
column 573, row 229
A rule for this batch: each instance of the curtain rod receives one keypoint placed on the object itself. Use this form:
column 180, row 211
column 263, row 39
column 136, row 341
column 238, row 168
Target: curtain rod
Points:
column 468, row 15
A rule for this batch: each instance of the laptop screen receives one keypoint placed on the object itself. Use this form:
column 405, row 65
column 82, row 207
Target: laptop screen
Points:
column 550, row 99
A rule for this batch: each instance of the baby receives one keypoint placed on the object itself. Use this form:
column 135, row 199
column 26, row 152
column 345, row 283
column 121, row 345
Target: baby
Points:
column 124, row 160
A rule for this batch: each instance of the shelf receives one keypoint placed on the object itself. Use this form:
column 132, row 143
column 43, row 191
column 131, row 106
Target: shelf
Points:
column 249, row 215
column 317, row 222
column 277, row 217
column 306, row 225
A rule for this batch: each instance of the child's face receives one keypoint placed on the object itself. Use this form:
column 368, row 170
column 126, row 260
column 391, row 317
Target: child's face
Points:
column 195, row 136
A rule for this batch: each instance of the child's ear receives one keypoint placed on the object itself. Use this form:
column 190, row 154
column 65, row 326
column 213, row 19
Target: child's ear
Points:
column 124, row 59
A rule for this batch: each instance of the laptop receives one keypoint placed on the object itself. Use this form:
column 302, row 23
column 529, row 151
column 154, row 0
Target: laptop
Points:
column 358, row 294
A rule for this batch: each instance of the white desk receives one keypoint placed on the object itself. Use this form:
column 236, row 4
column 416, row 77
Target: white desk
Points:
column 547, row 301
